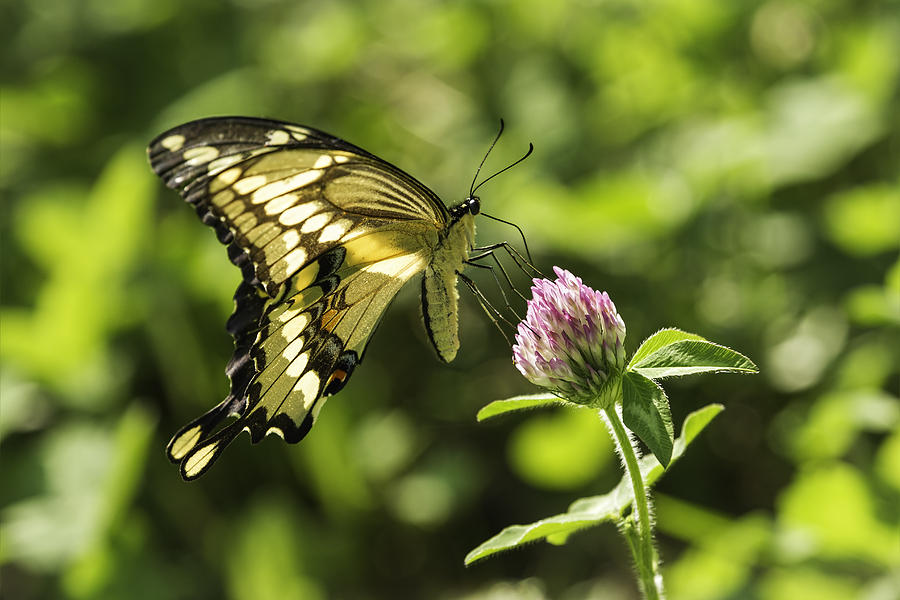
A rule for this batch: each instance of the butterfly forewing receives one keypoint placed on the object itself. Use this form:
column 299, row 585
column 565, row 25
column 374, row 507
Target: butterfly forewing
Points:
column 325, row 234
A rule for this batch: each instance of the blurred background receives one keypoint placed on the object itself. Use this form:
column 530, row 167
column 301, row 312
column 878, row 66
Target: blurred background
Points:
column 730, row 168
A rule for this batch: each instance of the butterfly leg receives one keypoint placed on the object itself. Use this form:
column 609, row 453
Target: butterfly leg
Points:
column 490, row 253
column 489, row 309
column 509, row 282
column 519, row 229
column 515, row 255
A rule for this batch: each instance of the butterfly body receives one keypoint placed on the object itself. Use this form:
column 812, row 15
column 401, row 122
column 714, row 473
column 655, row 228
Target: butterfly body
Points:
column 440, row 297
column 325, row 234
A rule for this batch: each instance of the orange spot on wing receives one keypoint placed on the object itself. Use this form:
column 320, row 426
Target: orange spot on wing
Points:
column 329, row 320
column 338, row 375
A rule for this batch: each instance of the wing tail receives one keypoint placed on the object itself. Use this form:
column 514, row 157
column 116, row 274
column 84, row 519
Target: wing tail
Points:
column 198, row 430
column 205, row 451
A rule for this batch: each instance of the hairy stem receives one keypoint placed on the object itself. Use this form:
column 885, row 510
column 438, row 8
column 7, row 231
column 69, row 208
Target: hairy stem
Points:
column 644, row 553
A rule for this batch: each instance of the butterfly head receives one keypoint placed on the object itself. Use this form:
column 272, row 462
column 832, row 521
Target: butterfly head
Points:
column 469, row 206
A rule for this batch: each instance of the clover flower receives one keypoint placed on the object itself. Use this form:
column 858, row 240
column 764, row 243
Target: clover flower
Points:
column 571, row 339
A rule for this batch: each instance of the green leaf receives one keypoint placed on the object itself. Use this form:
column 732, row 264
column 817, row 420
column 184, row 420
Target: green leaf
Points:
column 517, row 403
column 688, row 357
column 592, row 511
column 556, row 528
column 693, row 425
column 658, row 340
column 645, row 411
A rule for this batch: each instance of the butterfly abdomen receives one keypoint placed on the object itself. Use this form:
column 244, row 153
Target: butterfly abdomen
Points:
column 440, row 298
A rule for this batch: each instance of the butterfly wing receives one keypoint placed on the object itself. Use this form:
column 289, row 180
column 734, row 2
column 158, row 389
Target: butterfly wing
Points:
column 280, row 195
column 309, row 342
column 323, row 231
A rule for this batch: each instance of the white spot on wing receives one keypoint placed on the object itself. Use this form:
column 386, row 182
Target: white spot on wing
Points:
column 308, row 385
column 279, row 204
column 231, row 211
column 315, row 223
column 295, row 327
column 294, row 259
column 290, row 238
column 277, row 137
column 223, row 162
column 248, row 184
column 295, row 214
column 297, row 365
column 291, row 351
column 173, row 143
column 282, row 186
column 276, row 248
column 230, row 176
column 334, row 231
column 262, row 233
column 245, row 222
column 298, row 133
column 287, row 315
column 223, row 198
column 322, row 162
column 200, row 154
column 276, row 431
column 185, row 442
column 199, row 459
column 340, row 158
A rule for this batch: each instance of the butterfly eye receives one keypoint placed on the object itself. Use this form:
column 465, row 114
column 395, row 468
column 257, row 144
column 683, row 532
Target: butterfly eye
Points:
column 474, row 205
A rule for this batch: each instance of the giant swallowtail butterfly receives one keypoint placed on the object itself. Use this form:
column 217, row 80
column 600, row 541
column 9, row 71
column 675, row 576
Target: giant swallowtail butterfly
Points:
column 325, row 235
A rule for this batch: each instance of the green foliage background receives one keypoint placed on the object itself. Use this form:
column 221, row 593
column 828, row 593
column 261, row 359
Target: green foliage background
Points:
column 731, row 168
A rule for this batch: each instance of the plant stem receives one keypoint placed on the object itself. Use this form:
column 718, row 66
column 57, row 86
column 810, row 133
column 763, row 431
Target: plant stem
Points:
column 644, row 553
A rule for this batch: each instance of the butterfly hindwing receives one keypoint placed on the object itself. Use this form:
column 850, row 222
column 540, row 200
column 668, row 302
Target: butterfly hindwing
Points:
column 243, row 325
column 311, row 339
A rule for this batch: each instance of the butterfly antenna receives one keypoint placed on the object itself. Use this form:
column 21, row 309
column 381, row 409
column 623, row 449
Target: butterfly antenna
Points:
column 472, row 187
column 519, row 229
column 503, row 170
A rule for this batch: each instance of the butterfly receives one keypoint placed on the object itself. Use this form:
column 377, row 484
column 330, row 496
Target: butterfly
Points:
column 325, row 234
